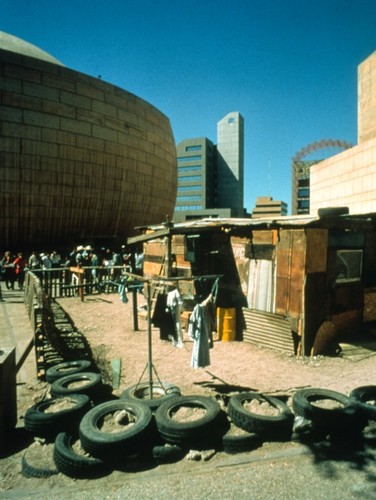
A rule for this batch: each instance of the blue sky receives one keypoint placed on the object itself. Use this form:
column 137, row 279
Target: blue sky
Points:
column 288, row 66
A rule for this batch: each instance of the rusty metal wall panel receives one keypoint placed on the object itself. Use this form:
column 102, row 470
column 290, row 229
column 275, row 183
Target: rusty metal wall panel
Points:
column 369, row 313
column 267, row 330
column 317, row 250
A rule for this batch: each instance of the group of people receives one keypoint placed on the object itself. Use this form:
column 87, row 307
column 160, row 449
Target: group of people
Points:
column 13, row 267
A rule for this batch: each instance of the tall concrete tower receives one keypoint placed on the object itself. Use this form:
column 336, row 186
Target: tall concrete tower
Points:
column 230, row 163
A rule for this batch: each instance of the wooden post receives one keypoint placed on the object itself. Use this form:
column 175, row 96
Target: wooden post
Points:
column 168, row 256
column 80, row 273
column 135, row 313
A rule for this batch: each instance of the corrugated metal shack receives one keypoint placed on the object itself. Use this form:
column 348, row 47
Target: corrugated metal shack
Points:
column 297, row 283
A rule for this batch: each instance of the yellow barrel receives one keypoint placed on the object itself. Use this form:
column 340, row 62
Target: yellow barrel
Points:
column 226, row 323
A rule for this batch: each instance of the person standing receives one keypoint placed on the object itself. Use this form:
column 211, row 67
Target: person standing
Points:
column 46, row 265
column 8, row 270
column 34, row 261
column 117, row 262
column 20, row 264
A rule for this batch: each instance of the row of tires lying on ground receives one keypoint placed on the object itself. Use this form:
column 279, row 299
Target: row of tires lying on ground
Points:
column 95, row 432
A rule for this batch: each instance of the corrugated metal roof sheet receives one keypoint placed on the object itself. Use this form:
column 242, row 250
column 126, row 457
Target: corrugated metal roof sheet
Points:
column 354, row 221
column 270, row 330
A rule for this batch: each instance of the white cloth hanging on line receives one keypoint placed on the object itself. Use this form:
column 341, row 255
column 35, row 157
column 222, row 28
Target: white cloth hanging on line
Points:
column 199, row 329
column 174, row 303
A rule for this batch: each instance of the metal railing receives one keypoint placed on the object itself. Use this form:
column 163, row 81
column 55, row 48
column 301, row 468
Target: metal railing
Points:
column 79, row 281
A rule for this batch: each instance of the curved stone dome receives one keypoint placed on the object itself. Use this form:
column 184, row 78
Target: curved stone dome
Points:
column 14, row 44
column 81, row 160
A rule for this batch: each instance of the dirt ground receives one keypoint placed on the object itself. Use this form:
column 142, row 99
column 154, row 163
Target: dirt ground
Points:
column 107, row 324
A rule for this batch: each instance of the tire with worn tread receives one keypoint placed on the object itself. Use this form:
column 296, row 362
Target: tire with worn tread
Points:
column 73, row 464
column 110, row 445
column 29, row 470
column 90, row 384
column 141, row 392
column 67, row 368
column 363, row 395
column 303, row 403
column 204, row 432
column 274, row 427
column 239, row 443
column 48, row 424
column 168, row 453
column 332, row 211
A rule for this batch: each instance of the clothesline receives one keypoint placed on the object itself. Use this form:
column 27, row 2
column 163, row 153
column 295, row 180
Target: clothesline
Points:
column 124, row 282
column 187, row 278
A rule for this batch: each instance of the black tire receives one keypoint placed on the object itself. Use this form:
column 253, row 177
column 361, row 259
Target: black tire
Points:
column 363, row 395
column 204, row 432
column 141, row 392
column 332, row 211
column 91, row 384
column 67, row 368
column 112, row 445
column 328, row 418
column 274, row 427
column 49, row 424
column 29, row 470
column 240, row 442
column 73, row 464
column 168, row 453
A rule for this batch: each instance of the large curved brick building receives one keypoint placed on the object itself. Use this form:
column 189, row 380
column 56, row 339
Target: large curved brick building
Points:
column 81, row 160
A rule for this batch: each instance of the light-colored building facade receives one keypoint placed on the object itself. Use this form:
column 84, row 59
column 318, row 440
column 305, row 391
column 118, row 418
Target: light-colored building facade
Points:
column 267, row 207
column 211, row 177
column 349, row 178
column 81, row 160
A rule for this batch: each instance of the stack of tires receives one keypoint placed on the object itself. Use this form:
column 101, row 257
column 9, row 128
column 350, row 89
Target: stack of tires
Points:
column 75, row 387
column 72, row 393
column 323, row 414
column 93, row 435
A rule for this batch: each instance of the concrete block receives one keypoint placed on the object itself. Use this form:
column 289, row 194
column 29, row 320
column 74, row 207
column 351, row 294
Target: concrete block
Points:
column 37, row 90
column 75, row 100
column 76, row 126
column 8, row 393
column 22, row 72
column 41, row 119
column 104, row 109
column 10, row 84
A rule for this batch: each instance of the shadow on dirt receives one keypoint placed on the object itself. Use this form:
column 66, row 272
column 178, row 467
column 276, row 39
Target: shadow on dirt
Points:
column 353, row 452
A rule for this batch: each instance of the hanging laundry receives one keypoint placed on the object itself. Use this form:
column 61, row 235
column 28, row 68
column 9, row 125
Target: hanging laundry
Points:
column 162, row 318
column 199, row 329
column 174, row 303
column 123, row 289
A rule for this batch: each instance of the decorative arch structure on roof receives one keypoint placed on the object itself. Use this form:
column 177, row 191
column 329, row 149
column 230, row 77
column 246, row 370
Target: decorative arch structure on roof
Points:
column 301, row 163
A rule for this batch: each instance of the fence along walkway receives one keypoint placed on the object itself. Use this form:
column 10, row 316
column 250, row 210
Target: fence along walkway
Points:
column 73, row 281
column 55, row 337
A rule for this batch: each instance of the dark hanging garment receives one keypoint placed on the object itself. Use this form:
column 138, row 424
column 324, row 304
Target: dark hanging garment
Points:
column 162, row 318
column 200, row 332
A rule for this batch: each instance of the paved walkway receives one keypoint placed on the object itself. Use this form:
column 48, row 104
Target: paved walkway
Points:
column 16, row 330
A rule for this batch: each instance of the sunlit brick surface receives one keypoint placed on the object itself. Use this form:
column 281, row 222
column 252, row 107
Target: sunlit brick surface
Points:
column 80, row 159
